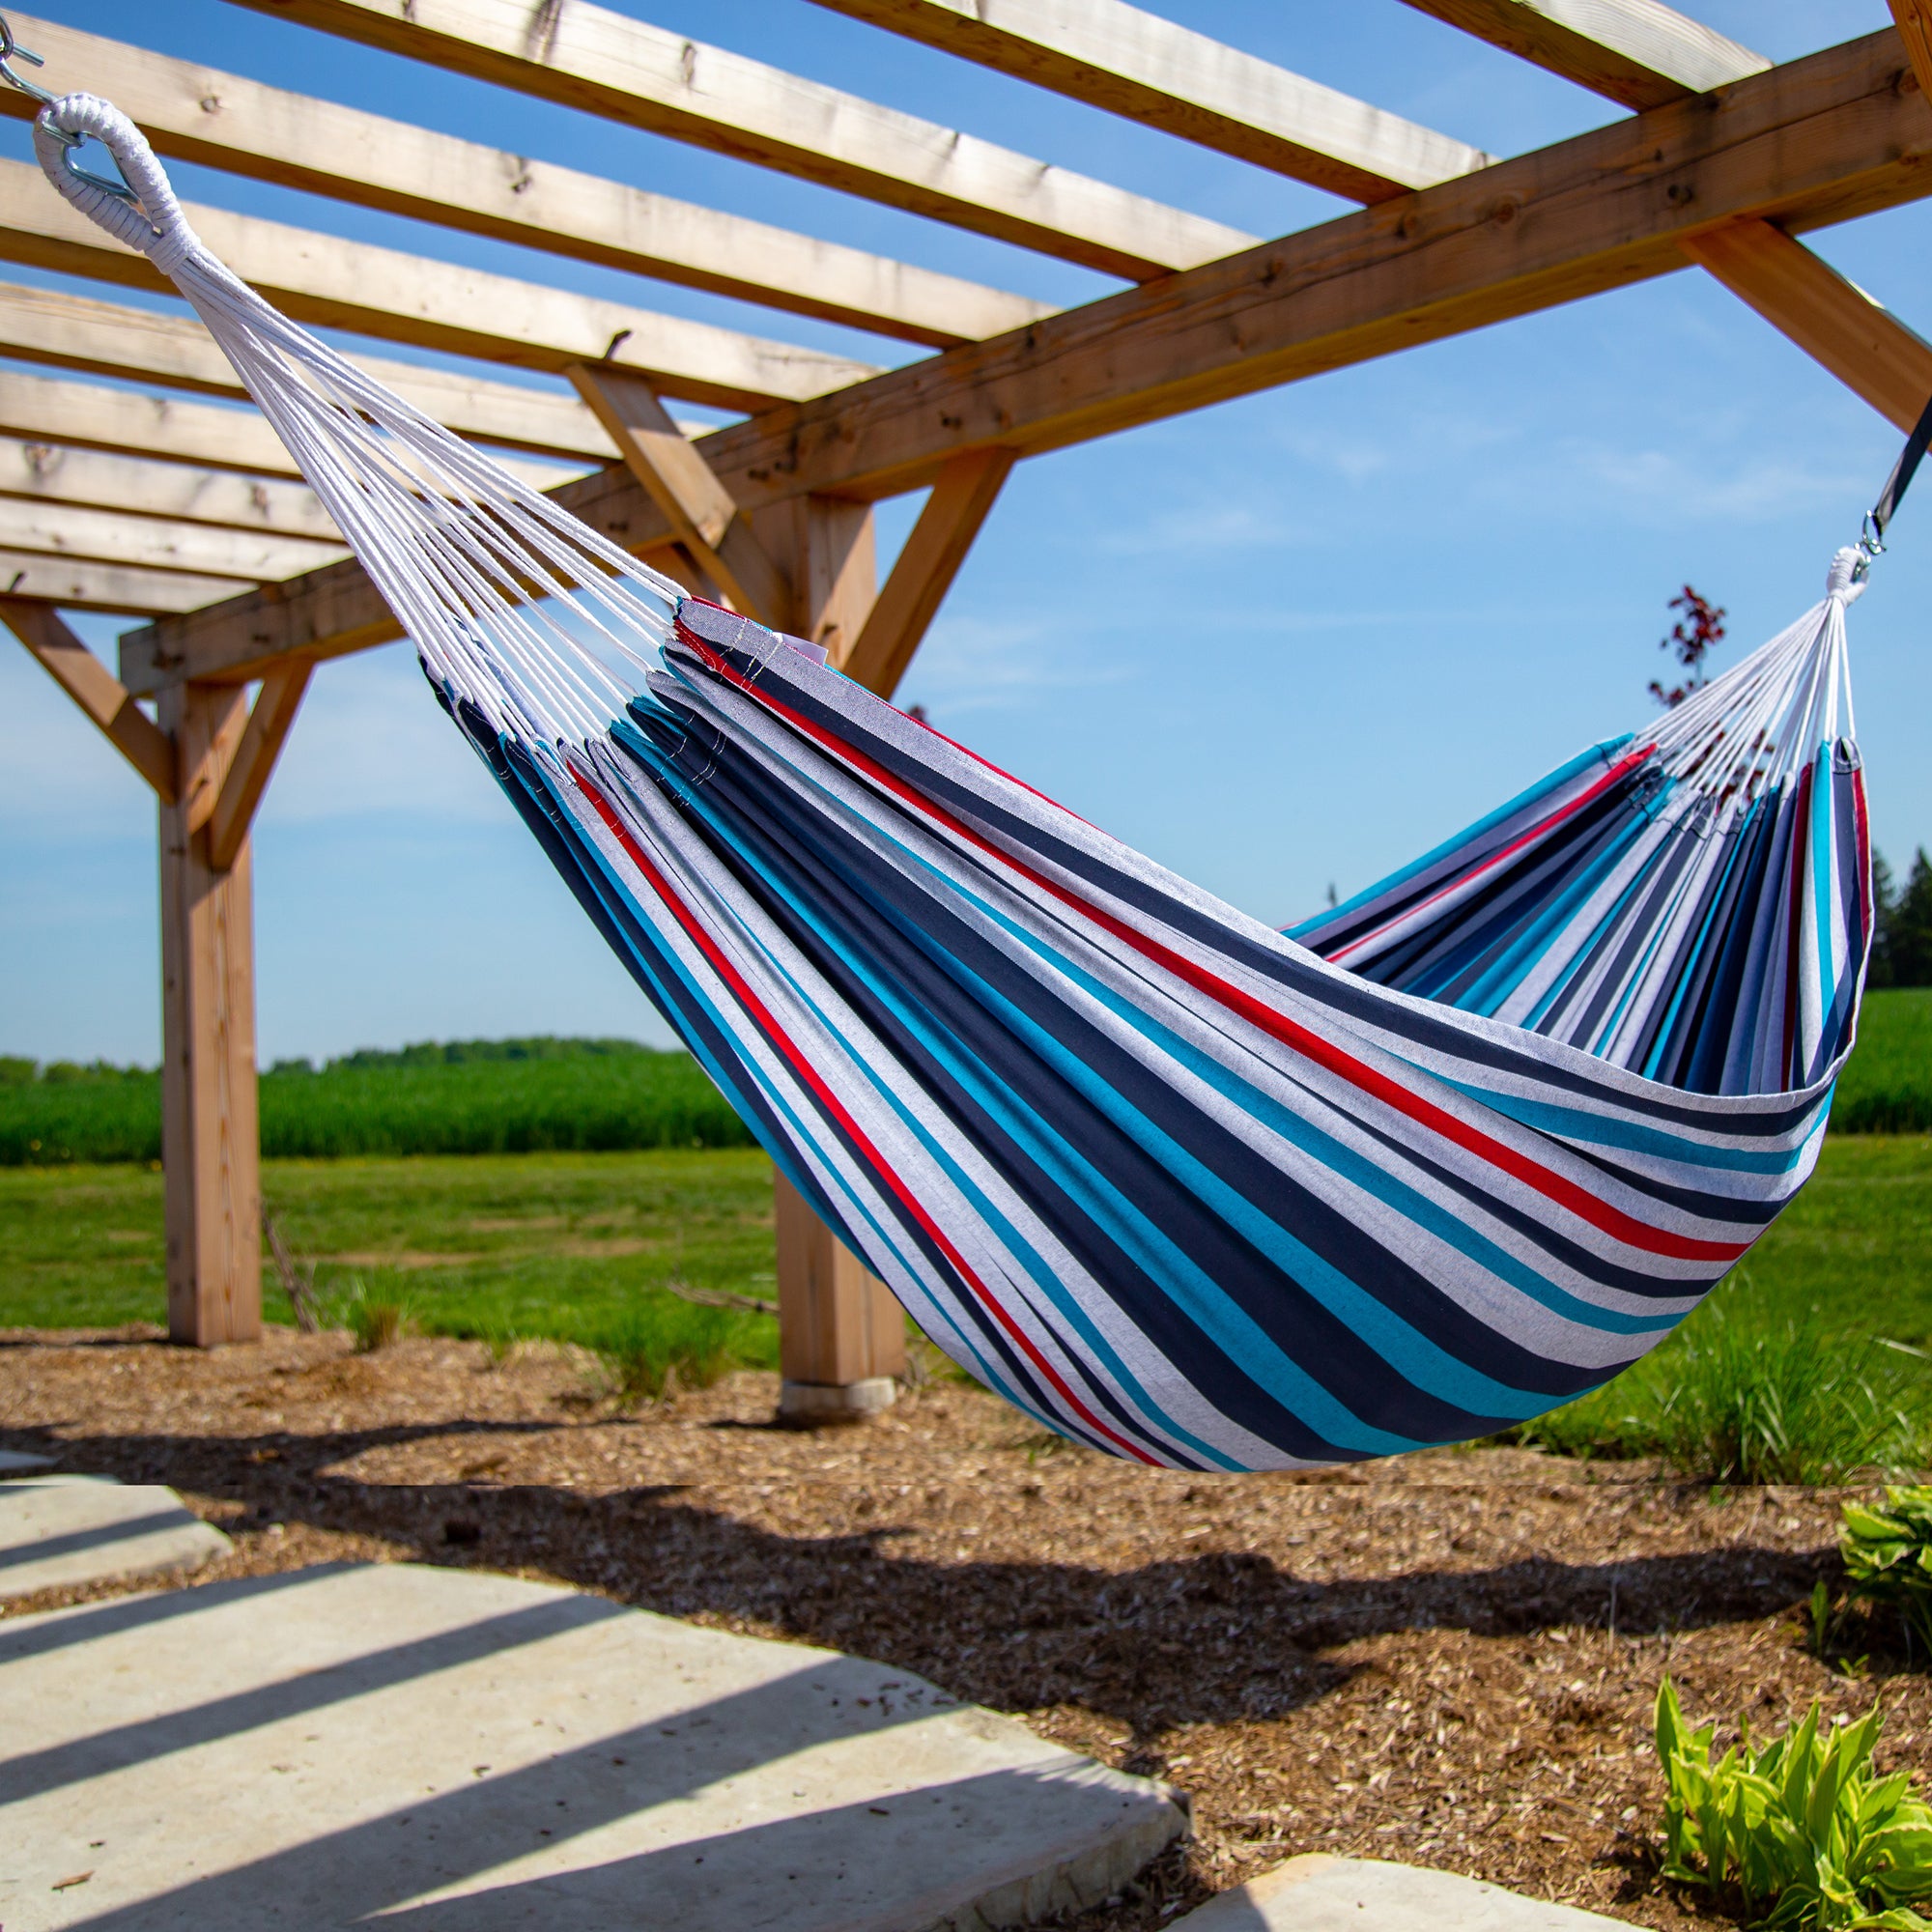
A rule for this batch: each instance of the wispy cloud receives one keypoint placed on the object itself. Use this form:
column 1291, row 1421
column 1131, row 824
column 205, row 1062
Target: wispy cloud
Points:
column 972, row 664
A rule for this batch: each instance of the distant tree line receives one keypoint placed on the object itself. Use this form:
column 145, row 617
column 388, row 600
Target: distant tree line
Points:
column 1902, row 941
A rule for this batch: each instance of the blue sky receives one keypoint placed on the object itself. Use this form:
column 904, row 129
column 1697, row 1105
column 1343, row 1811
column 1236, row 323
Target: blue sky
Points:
column 1286, row 641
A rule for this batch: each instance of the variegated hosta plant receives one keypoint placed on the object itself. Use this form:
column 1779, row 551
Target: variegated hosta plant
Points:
column 1888, row 1555
column 1799, row 1832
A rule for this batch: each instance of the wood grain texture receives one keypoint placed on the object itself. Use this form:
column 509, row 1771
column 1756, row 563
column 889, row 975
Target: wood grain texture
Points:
column 198, row 113
column 1150, row 70
column 147, row 543
column 67, row 331
column 1914, row 21
column 1832, row 320
column 962, row 498
column 270, row 720
column 1819, row 140
column 112, row 587
column 839, row 1322
column 604, row 62
column 1635, row 51
column 394, row 296
column 699, row 509
column 50, row 473
column 99, row 692
column 210, row 1143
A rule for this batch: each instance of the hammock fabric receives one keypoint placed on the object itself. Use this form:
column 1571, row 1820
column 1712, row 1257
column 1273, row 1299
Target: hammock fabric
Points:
column 1182, row 1186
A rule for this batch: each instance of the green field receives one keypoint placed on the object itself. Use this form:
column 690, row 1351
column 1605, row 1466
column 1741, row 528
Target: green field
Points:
column 468, row 1098
column 498, row 1245
column 1888, row 1087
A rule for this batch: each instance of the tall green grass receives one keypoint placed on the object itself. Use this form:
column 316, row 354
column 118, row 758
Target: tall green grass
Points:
column 467, row 1097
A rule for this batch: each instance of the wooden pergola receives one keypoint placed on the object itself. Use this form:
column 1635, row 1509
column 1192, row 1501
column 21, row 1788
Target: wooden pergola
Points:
column 193, row 518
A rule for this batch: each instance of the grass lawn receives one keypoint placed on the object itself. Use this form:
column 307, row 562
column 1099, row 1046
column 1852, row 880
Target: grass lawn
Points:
column 563, row 1245
column 560, row 1244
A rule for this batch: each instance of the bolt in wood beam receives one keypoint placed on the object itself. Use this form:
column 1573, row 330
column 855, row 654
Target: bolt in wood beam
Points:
column 962, row 497
column 268, row 729
column 95, row 689
column 1834, row 321
column 702, row 512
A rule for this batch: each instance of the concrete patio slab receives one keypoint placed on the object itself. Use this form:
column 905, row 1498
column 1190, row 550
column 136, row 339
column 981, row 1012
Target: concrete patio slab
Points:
column 1320, row 1894
column 452, row 1749
column 57, row 1531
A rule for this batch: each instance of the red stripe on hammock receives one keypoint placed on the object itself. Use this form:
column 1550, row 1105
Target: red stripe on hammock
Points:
column 1599, row 1214
column 803, row 1068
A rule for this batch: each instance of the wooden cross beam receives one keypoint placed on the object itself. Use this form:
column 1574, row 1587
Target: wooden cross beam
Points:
column 198, row 113
column 602, row 62
column 66, row 331
column 324, row 280
column 1153, row 71
column 1638, row 52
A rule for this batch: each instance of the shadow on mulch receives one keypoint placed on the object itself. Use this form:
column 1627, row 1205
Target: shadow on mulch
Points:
column 1214, row 1638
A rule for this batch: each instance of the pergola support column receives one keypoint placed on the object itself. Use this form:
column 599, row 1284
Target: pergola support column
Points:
column 210, row 1145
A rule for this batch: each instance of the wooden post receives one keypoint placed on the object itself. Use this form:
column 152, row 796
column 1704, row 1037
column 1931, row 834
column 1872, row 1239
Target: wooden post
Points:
column 841, row 1335
column 211, row 1149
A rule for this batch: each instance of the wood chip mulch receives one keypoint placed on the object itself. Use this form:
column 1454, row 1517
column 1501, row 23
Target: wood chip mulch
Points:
column 1448, row 1658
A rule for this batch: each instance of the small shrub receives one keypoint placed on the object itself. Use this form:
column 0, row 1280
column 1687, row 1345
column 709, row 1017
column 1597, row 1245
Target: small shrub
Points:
column 659, row 1344
column 1887, row 1556
column 1735, row 1398
column 375, row 1325
column 1799, row 1832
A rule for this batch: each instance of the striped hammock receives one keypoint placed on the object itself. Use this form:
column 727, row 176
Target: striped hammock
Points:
column 1182, row 1186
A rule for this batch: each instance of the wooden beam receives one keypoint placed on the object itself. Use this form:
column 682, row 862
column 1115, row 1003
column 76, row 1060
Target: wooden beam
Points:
column 698, row 508
column 268, row 729
column 1634, row 52
column 1914, row 21
column 197, row 113
column 923, row 571
column 604, row 62
column 117, row 589
column 101, row 536
column 1834, row 321
column 48, row 473
column 95, row 689
column 40, row 410
column 1150, row 70
column 332, row 283
column 1820, row 140
column 211, row 1142
column 64, row 331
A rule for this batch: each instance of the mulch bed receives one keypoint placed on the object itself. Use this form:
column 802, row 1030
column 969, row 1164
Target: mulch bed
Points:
column 1448, row 1658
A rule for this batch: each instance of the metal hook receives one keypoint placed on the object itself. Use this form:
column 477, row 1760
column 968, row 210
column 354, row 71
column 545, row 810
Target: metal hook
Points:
column 9, row 47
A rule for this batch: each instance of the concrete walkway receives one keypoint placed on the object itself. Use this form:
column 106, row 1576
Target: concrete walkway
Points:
column 1320, row 1894
column 60, row 1531
column 452, row 1749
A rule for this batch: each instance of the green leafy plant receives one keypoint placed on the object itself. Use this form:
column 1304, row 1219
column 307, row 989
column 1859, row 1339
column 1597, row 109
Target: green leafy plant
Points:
column 659, row 1344
column 374, row 1322
column 1799, row 1832
column 1887, row 1556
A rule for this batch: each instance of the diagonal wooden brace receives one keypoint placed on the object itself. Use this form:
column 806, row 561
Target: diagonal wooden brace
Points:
column 962, row 497
column 1913, row 20
column 95, row 689
column 1834, row 321
column 702, row 512
column 233, row 807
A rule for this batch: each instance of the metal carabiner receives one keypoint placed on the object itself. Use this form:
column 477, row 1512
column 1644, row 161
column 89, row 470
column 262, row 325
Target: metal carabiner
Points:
column 9, row 47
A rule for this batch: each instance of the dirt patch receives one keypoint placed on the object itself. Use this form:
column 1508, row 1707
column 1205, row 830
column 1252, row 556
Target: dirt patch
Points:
column 1448, row 1658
